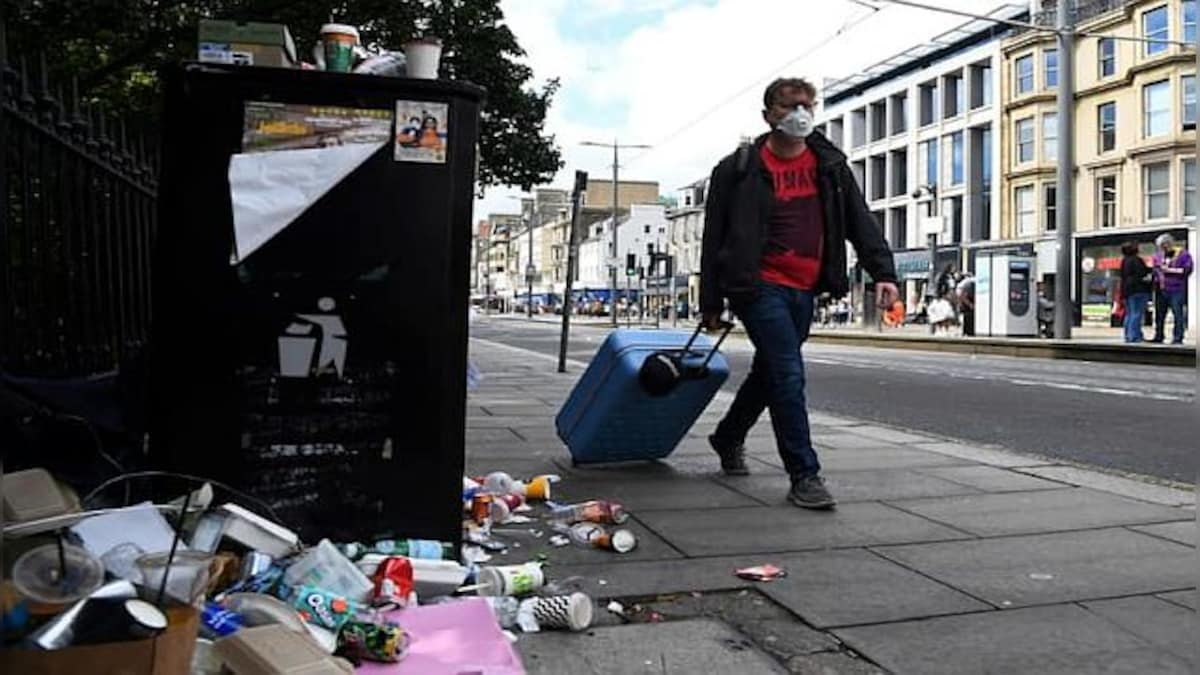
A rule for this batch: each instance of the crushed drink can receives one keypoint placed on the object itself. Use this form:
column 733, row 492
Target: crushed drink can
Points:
column 384, row 642
column 481, row 508
column 592, row 534
column 595, row 511
column 394, row 582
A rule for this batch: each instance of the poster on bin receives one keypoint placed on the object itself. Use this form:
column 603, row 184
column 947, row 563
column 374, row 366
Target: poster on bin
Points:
column 270, row 127
column 421, row 131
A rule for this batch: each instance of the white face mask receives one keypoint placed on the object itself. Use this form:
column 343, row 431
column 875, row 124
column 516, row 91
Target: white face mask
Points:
column 798, row 124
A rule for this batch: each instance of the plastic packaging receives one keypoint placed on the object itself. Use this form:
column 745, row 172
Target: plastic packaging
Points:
column 322, row 608
column 384, row 642
column 596, row 536
column 325, row 567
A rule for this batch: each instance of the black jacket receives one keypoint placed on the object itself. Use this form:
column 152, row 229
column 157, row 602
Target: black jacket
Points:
column 1135, row 276
column 738, row 210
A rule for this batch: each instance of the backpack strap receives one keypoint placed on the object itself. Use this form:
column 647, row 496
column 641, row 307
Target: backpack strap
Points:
column 742, row 161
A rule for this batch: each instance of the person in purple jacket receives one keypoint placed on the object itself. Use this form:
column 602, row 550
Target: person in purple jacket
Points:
column 1172, row 267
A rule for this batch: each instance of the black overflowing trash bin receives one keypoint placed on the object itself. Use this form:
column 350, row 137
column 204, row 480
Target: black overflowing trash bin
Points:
column 309, row 340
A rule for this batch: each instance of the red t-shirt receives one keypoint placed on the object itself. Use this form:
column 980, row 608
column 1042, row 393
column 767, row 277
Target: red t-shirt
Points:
column 797, row 228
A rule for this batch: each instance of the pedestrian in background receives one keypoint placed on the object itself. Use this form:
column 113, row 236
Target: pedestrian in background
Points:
column 966, row 303
column 1136, row 279
column 1172, row 267
column 776, row 219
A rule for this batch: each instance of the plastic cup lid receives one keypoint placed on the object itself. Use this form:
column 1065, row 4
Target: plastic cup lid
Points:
column 146, row 614
column 580, row 611
column 623, row 541
column 339, row 28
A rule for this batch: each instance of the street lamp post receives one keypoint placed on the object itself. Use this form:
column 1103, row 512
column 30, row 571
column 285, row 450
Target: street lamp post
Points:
column 616, row 252
column 930, row 284
column 529, row 270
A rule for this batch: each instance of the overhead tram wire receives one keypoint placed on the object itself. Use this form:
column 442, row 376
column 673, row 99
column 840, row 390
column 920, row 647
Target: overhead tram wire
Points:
column 849, row 25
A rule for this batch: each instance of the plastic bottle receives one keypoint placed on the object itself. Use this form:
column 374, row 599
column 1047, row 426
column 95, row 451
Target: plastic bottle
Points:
column 596, row 511
column 505, row 608
column 422, row 549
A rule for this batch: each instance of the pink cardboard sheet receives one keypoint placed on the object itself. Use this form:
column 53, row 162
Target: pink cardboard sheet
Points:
column 457, row 638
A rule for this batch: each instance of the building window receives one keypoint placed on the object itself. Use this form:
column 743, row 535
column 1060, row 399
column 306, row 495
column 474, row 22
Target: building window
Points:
column 1050, row 136
column 1189, row 188
column 1154, row 27
column 1106, row 200
column 929, row 103
column 899, row 173
column 981, row 85
column 985, row 153
column 1026, row 213
column 898, row 232
column 1051, row 196
column 1189, row 21
column 1024, row 74
column 858, row 128
column 953, row 91
column 1189, row 101
column 1156, row 189
column 956, row 158
column 1107, row 114
column 931, row 162
column 1156, row 104
column 878, row 120
column 899, row 113
column 1108, row 57
column 1025, row 140
column 878, row 177
column 1051, row 71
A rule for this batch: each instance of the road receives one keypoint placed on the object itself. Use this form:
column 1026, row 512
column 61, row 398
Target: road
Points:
column 1132, row 418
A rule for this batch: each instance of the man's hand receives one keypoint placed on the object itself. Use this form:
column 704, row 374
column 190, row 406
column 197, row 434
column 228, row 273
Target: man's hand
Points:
column 886, row 294
column 712, row 321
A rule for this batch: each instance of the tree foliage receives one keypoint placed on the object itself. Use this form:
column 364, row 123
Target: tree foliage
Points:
column 117, row 48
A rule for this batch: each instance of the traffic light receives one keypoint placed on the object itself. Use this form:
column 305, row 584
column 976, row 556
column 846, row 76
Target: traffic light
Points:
column 630, row 264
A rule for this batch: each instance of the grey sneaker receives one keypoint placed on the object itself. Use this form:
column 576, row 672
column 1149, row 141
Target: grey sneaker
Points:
column 810, row 493
column 733, row 460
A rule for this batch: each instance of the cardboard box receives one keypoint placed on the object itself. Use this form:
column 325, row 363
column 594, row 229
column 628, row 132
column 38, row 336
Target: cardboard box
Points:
column 167, row 654
column 246, row 44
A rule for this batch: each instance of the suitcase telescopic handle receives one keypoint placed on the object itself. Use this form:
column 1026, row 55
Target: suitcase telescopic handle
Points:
column 726, row 328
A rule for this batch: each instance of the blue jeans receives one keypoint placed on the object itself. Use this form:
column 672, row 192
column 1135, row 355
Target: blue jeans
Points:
column 777, row 322
column 1135, row 314
column 1177, row 303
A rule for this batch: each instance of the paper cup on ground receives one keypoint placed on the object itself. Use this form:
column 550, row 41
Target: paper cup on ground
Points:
column 337, row 46
column 538, row 488
column 511, row 579
column 570, row 612
column 423, row 55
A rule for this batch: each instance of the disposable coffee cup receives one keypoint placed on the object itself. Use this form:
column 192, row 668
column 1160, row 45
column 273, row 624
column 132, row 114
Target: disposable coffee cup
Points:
column 337, row 46
column 620, row 541
column 511, row 579
column 570, row 612
column 537, row 488
column 424, row 55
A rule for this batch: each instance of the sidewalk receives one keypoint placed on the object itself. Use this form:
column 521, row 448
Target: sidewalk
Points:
column 941, row 558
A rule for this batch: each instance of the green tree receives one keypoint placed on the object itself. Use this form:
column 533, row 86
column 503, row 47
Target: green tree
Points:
column 117, row 48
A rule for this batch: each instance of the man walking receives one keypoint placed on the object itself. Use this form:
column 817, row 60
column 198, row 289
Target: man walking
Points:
column 777, row 217
column 1172, row 267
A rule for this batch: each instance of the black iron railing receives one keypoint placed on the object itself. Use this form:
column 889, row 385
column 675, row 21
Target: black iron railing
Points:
column 77, row 223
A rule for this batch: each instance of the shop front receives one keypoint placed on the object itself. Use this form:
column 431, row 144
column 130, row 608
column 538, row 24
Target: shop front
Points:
column 1098, row 262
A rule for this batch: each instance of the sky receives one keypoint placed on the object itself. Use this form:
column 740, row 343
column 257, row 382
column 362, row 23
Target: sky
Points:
column 686, row 76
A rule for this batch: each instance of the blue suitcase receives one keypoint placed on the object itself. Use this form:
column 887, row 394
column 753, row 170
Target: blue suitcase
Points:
column 615, row 413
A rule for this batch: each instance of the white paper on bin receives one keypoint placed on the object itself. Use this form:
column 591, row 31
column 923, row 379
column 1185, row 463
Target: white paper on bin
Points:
column 269, row 190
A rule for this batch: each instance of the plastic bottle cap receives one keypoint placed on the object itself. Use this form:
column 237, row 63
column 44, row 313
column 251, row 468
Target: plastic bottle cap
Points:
column 623, row 541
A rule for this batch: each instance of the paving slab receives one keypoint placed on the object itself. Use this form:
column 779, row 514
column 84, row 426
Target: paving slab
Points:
column 1183, row 532
column 787, row 528
column 480, row 436
column 1163, row 624
column 614, row 577
column 676, row 492
column 521, row 468
column 841, row 588
column 1050, row 568
column 543, row 410
column 830, row 663
column 698, row 645
column 525, row 544
column 1186, row 599
column 888, row 434
column 992, row 515
column 873, row 458
column 853, row 486
column 991, row 456
column 1133, row 488
column 991, row 479
column 852, row 441
column 1053, row 640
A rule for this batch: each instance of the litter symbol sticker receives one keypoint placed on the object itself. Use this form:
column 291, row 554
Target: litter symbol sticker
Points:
column 314, row 343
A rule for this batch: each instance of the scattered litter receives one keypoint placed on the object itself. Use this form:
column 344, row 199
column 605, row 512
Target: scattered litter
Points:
column 616, row 608
column 697, row 594
column 559, row 541
column 602, row 582
column 654, row 617
column 761, row 573
column 1038, row 576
